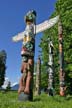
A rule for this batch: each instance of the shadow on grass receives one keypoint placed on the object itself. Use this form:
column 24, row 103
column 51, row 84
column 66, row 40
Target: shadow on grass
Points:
column 62, row 99
column 68, row 98
column 36, row 99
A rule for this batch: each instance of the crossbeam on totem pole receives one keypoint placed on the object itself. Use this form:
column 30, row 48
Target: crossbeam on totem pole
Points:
column 39, row 28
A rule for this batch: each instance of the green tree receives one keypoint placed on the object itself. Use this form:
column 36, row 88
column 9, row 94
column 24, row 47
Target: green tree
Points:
column 3, row 57
column 8, row 88
column 64, row 9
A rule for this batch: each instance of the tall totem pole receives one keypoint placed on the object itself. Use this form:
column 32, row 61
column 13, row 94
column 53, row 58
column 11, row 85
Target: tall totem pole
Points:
column 61, row 60
column 38, row 77
column 51, row 69
column 27, row 54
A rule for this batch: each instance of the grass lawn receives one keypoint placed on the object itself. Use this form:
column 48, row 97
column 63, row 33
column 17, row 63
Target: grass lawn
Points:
column 10, row 100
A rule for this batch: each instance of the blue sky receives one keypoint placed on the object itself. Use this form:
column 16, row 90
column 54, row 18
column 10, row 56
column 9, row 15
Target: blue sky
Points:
column 12, row 14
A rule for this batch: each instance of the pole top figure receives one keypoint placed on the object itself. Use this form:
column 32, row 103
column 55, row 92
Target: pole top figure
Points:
column 31, row 16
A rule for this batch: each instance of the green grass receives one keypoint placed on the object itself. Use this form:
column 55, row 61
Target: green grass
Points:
column 10, row 100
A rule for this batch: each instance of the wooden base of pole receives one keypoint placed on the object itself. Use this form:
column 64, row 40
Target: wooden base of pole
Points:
column 26, row 97
column 23, row 97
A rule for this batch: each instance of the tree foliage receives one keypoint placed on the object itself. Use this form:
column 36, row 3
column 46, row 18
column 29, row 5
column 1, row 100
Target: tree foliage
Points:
column 3, row 57
column 64, row 9
column 8, row 88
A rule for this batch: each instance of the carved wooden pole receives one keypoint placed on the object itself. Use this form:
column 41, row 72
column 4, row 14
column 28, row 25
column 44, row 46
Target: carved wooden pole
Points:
column 51, row 69
column 38, row 77
column 61, row 60
column 28, row 49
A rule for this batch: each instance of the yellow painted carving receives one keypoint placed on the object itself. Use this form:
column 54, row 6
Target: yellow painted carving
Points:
column 26, row 39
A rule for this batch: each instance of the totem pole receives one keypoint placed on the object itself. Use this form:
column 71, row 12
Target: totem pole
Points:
column 51, row 69
column 38, row 77
column 27, row 54
column 28, row 49
column 61, row 60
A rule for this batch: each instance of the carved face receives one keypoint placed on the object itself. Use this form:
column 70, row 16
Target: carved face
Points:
column 30, row 16
column 28, row 22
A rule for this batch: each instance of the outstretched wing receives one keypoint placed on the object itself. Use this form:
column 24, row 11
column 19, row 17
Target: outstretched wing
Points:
column 46, row 24
column 39, row 28
column 18, row 37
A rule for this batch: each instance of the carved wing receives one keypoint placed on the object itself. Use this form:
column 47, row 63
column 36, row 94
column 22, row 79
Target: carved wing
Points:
column 46, row 24
column 18, row 37
column 39, row 28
